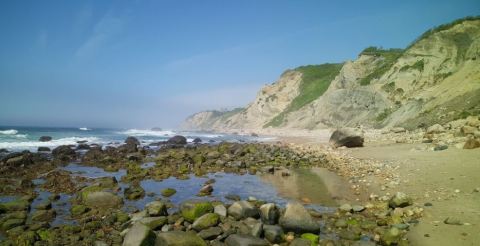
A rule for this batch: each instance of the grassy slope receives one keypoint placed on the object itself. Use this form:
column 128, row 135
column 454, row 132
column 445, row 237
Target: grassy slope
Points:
column 315, row 81
column 389, row 57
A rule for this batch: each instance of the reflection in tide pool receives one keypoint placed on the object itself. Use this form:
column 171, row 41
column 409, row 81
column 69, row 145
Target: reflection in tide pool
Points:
column 225, row 183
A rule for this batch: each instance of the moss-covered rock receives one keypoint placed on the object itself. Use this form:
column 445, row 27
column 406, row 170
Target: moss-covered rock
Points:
column 78, row 210
column 206, row 221
column 16, row 205
column 168, row 192
column 193, row 209
column 313, row 238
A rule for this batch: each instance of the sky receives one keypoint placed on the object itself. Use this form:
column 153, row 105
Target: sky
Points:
column 152, row 63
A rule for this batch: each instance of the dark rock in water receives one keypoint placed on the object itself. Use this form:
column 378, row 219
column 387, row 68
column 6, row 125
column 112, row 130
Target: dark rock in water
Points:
column 83, row 146
column 81, row 141
column 180, row 140
column 346, row 137
column 232, row 197
column 157, row 129
column 440, row 147
column 3, row 151
column 178, row 238
column 206, row 190
column 18, row 159
column 45, row 138
column 128, row 148
column 297, row 219
column 134, row 192
column 64, row 152
column 254, row 135
column 132, row 141
column 93, row 155
column 242, row 210
column 197, row 140
column 245, row 240
column 43, row 149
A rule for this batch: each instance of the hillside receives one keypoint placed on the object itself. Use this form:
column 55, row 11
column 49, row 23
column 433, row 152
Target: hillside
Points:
column 434, row 80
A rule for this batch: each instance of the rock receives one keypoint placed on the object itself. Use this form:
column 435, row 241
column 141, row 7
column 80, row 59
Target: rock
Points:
column 45, row 138
column 358, row 208
column 63, row 153
column 78, row 210
column 210, row 233
column 192, row 209
column 102, row 200
column 349, row 235
column 437, row 128
column 269, row 213
column 297, row 219
column 134, row 192
column 243, row 209
column 16, row 205
column 197, row 140
column 440, row 147
column 301, row 242
column 44, row 205
column 273, row 233
column 452, row 221
column 346, row 137
column 179, row 238
column 154, row 222
column 400, row 200
column 132, row 141
column 139, row 235
column 313, row 238
column 43, row 149
column 43, row 215
column 156, row 208
column 244, row 240
column 391, row 237
column 178, row 140
column 168, row 192
column 83, row 147
column 206, row 190
column 473, row 121
column 232, row 197
column 466, row 130
column 11, row 223
column 256, row 228
column 472, row 144
column 221, row 210
column 346, row 207
column 206, row 221
column 398, row 130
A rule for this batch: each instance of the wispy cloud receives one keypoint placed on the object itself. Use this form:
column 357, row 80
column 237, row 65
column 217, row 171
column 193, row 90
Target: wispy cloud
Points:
column 103, row 32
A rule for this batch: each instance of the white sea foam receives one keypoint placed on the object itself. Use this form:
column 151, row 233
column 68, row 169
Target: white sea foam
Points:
column 9, row 132
column 144, row 132
column 84, row 129
column 32, row 145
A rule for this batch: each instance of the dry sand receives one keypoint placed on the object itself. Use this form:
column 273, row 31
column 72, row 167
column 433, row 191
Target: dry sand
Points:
column 448, row 179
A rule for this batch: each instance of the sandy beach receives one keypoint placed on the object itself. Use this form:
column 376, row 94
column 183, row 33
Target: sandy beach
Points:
column 445, row 183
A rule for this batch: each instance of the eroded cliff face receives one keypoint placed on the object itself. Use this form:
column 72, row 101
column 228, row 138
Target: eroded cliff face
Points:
column 435, row 80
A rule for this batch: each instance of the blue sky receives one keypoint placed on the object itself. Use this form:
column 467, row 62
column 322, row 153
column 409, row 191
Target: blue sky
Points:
column 152, row 63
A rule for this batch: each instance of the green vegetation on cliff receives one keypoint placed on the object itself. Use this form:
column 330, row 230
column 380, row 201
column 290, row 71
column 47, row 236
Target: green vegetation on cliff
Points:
column 315, row 81
column 389, row 57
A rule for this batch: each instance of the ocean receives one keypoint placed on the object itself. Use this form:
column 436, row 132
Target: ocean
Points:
column 16, row 138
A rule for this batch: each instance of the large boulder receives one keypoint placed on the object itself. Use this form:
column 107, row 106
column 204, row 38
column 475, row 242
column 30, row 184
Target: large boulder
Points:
column 347, row 137
column 193, row 209
column 45, row 139
column 139, row 235
column 18, row 159
column 156, row 208
column 178, row 140
column 297, row 219
column 64, row 153
column 245, row 240
column 273, row 233
column 243, row 209
column 472, row 144
column 179, row 238
column 102, row 200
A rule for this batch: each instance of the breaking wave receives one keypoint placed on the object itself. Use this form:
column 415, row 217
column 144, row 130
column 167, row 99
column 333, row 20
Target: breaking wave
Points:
column 32, row 145
column 142, row 133
column 9, row 132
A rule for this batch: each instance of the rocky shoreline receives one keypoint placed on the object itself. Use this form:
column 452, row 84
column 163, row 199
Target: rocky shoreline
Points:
column 98, row 215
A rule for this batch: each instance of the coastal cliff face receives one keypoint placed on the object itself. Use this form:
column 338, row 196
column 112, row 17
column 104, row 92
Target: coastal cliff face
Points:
column 434, row 80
